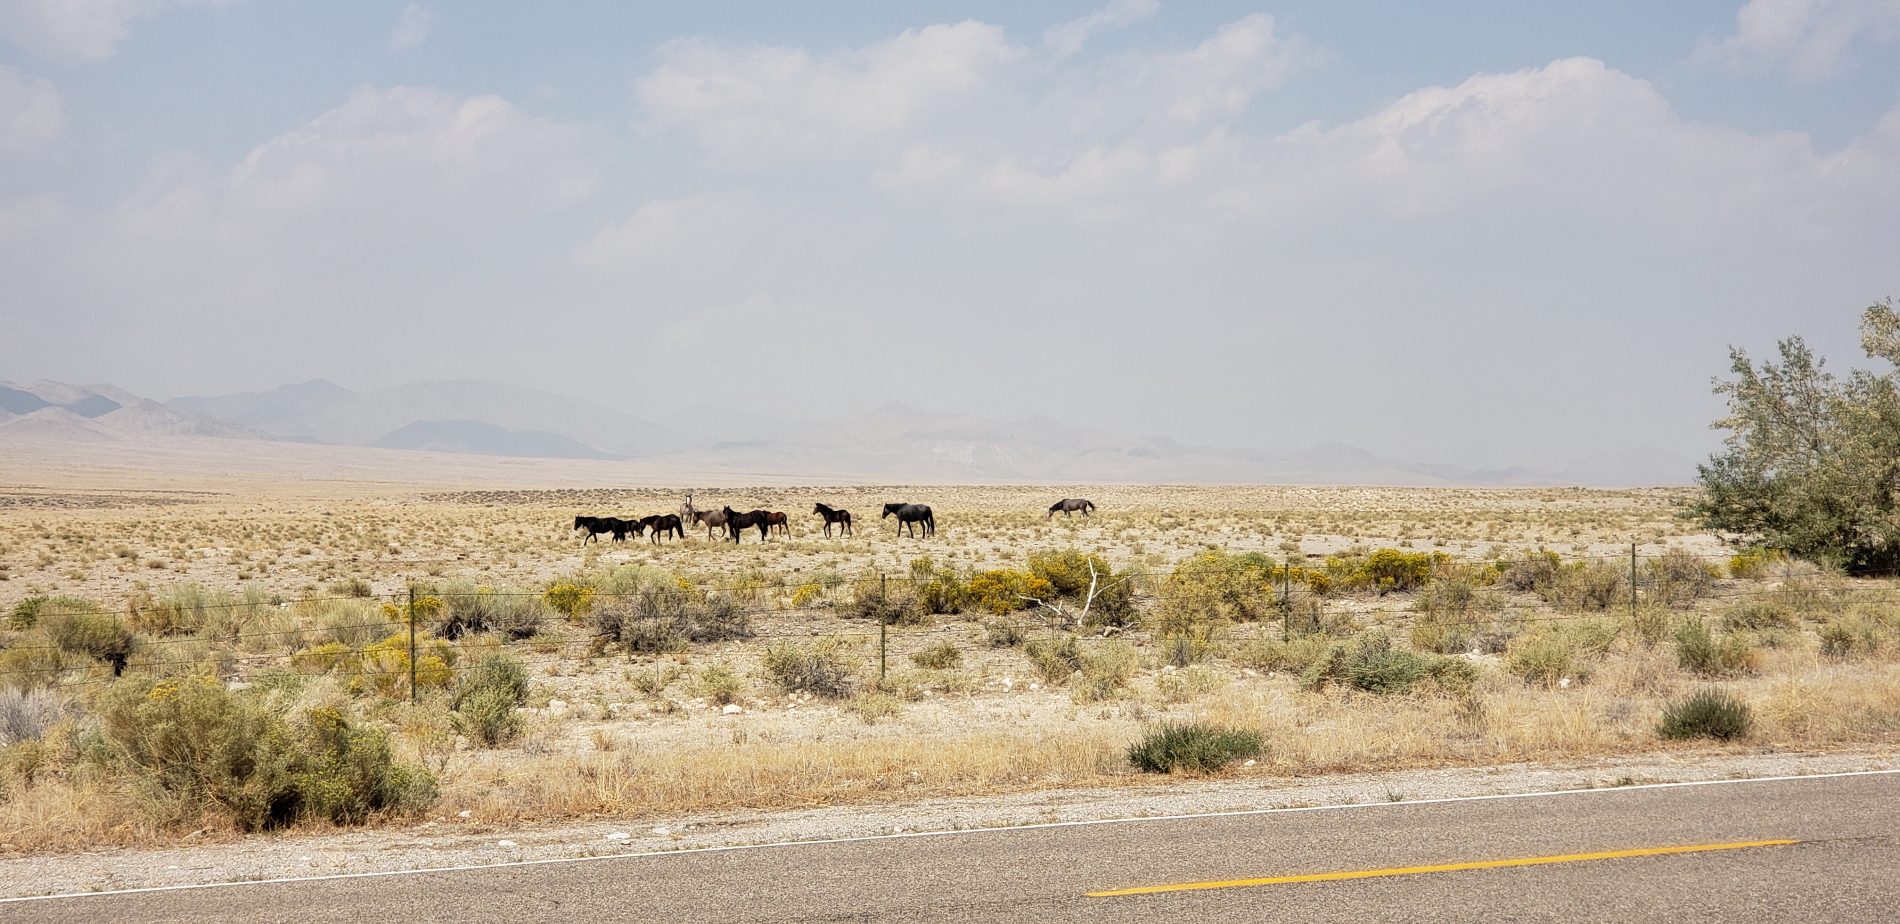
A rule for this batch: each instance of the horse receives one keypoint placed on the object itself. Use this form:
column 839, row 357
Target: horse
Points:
column 597, row 525
column 775, row 519
column 1069, row 505
column 911, row 513
column 714, row 519
column 661, row 524
column 737, row 522
column 840, row 517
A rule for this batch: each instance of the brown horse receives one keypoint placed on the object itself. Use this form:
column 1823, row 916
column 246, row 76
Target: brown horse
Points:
column 714, row 519
column 775, row 519
column 840, row 517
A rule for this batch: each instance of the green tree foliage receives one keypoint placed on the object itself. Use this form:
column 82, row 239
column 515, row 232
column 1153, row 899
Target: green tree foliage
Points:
column 1813, row 461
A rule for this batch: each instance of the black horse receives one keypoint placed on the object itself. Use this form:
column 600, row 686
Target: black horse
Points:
column 840, row 517
column 737, row 522
column 660, row 525
column 598, row 525
column 1069, row 505
column 911, row 513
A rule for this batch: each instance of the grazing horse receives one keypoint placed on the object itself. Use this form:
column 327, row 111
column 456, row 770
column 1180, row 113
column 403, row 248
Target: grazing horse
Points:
column 661, row 524
column 908, row 514
column 1069, row 505
column 737, row 522
column 776, row 519
column 714, row 519
column 840, row 517
column 597, row 525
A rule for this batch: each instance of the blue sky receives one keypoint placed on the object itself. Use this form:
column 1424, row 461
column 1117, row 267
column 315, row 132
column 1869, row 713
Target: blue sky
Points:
column 1487, row 233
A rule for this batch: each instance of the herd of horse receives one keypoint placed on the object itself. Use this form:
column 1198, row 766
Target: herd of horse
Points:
column 911, row 518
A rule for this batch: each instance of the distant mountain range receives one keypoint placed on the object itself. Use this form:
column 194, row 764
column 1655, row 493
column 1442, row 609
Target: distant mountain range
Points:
column 894, row 442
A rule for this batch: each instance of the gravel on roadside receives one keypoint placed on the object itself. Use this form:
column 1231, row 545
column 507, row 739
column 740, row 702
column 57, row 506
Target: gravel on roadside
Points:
column 469, row 842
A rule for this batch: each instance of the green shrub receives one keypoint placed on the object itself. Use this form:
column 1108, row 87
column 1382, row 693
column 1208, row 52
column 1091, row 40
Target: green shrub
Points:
column 1183, row 685
column 1591, row 587
column 348, row 773
column 1193, row 747
column 354, row 587
column 718, row 683
column 1215, row 589
column 191, row 744
column 1678, row 577
column 886, row 603
column 941, row 656
column 488, row 718
column 824, row 667
column 1444, row 632
column 1536, row 573
column 1375, row 666
column 1054, row 661
column 1106, row 669
column 1270, row 654
column 1759, row 614
column 469, row 609
column 878, row 706
column 1727, row 655
column 939, row 591
column 100, row 636
column 1543, row 660
column 655, row 680
column 1072, row 575
column 1707, row 713
column 486, row 697
column 1850, row 637
column 31, row 663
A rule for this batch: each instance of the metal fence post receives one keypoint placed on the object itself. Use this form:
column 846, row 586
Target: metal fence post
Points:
column 1632, row 582
column 883, row 622
column 412, row 643
column 1286, row 601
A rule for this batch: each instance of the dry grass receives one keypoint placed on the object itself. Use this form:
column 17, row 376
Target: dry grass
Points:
column 614, row 733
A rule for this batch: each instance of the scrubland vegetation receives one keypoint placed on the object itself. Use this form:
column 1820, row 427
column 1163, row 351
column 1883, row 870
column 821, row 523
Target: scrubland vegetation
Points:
column 1251, row 631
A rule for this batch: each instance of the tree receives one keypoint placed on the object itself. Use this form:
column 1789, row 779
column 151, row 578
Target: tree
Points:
column 1813, row 461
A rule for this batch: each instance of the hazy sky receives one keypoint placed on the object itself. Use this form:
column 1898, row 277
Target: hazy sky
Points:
column 1484, row 233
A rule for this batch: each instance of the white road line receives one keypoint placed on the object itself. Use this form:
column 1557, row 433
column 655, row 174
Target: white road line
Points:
column 998, row 830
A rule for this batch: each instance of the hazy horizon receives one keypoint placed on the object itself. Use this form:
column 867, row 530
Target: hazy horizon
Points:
column 1470, row 234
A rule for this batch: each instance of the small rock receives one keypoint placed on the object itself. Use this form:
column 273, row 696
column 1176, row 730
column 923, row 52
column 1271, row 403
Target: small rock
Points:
column 732, row 709
column 1035, row 686
column 1564, row 683
column 1250, row 763
column 619, row 836
column 506, row 844
column 303, row 859
column 662, row 831
column 464, row 813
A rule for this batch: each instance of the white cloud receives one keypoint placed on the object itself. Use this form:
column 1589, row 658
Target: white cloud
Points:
column 30, row 115
column 79, row 30
column 1811, row 37
column 758, row 103
column 1067, row 38
column 412, row 28
column 668, row 229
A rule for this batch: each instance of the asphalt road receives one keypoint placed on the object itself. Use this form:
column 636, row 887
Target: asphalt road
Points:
column 1845, row 867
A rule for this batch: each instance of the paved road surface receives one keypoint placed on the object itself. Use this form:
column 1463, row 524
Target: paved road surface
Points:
column 1845, row 867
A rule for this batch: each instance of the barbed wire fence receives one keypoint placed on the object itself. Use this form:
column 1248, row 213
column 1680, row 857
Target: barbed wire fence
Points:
column 408, row 621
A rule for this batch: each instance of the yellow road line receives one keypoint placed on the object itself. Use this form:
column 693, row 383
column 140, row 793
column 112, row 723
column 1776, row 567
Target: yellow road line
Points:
column 1441, row 868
